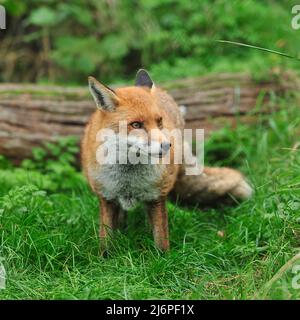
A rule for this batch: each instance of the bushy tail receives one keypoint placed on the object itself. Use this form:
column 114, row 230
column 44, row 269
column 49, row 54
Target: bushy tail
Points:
column 213, row 186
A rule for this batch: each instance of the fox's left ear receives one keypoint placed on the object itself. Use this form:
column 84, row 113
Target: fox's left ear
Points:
column 105, row 97
column 143, row 79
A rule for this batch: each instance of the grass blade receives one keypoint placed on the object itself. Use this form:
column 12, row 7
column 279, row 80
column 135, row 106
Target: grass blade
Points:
column 259, row 48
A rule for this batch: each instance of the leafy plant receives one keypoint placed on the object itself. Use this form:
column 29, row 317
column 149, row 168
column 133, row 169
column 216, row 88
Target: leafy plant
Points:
column 4, row 163
column 66, row 42
column 58, row 162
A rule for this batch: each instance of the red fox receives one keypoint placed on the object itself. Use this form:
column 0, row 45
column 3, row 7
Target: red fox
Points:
column 120, row 186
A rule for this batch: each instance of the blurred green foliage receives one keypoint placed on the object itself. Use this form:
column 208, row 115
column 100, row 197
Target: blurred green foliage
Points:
column 56, row 41
column 56, row 161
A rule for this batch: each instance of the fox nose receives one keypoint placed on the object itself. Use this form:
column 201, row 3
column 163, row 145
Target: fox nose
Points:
column 165, row 146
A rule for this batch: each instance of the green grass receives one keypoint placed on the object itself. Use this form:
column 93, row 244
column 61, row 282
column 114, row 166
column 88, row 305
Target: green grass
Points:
column 49, row 240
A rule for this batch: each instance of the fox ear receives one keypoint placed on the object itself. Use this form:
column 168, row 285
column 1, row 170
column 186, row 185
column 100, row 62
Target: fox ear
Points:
column 105, row 97
column 143, row 79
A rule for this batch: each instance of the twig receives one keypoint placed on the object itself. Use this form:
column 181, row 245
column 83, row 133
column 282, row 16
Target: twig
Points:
column 276, row 277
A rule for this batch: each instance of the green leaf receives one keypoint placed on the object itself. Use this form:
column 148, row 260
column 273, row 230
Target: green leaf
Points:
column 15, row 8
column 43, row 17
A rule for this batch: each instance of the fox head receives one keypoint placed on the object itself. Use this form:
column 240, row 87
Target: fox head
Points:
column 135, row 109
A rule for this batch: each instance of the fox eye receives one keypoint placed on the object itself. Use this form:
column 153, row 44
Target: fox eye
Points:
column 137, row 124
column 160, row 122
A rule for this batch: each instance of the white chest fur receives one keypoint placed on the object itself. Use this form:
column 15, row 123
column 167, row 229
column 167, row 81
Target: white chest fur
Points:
column 129, row 184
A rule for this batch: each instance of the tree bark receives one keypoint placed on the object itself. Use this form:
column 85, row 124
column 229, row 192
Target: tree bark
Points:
column 33, row 114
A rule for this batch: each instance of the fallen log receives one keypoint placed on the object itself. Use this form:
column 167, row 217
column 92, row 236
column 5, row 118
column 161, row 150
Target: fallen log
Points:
column 33, row 114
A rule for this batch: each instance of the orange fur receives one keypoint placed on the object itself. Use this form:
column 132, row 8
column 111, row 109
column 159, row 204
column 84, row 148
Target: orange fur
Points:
column 134, row 104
